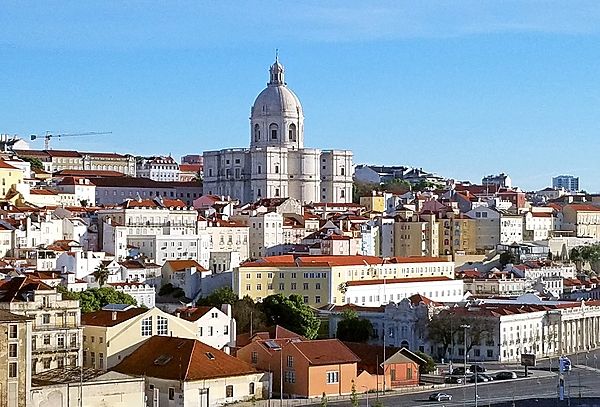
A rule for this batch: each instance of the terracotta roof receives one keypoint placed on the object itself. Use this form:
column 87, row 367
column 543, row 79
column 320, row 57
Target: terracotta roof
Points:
column 371, row 356
column 172, row 358
column 105, row 317
column 179, row 265
column 274, row 332
column 17, row 288
column 325, row 352
column 417, row 299
column 583, row 208
column 7, row 166
column 399, row 281
column 324, row 260
column 89, row 173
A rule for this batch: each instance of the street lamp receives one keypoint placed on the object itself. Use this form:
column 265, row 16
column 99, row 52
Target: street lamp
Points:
column 465, row 327
column 367, row 393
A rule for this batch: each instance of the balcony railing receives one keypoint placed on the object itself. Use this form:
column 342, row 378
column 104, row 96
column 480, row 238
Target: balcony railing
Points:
column 68, row 347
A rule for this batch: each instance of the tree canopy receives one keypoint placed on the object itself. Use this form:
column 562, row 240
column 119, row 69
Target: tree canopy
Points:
column 508, row 258
column 352, row 328
column 429, row 365
column 34, row 162
column 291, row 313
column 94, row 299
column 586, row 254
column 101, row 274
column 444, row 328
column 218, row 297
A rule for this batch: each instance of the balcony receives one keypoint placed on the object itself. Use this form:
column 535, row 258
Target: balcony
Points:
column 54, row 327
column 68, row 347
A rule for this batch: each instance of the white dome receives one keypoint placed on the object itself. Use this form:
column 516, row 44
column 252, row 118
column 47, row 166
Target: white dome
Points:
column 276, row 100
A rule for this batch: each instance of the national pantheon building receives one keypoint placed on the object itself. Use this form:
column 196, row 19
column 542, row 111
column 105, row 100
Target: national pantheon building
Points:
column 277, row 164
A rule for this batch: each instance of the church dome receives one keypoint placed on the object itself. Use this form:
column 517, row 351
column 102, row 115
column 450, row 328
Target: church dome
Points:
column 277, row 98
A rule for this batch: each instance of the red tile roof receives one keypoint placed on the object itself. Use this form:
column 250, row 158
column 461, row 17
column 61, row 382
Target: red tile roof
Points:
column 180, row 265
column 192, row 313
column 398, row 280
column 289, row 260
column 583, row 208
column 105, row 317
column 325, row 352
column 188, row 360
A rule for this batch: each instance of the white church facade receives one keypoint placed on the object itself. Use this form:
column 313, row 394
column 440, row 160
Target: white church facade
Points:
column 277, row 164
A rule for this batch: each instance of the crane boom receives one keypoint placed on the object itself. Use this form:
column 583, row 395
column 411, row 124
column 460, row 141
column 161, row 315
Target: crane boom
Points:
column 48, row 136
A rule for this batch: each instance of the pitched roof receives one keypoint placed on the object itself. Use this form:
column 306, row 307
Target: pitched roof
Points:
column 105, row 317
column 583, row 208
column 172, row 358
column 273, row 332
column 18, row 288
column 6, row 166
column 399, row 281
column 343, row 260
column 325, row 352
column 179, row 265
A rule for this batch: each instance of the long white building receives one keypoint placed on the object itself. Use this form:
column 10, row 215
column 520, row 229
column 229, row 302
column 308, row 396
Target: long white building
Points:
column 277, row 164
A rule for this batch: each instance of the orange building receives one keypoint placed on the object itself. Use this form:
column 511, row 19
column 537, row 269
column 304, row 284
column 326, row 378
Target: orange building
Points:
column 401, row 366
column 308, row 368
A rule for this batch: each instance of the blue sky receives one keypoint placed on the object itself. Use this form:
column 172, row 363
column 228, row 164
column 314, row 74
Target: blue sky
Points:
column 461, row 88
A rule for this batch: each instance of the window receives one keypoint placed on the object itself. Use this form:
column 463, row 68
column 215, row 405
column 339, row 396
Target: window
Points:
column 171, row 393
column 318, row 286
column 46, row 339
column 162, row 325
column 147, row 326
column 225, row 329
column 273, row 130
column 332, row 377
column 101, row 361
column 12, row 331
column 305, row 286
column 490, row 353
column 60, row 362
column 210, row 331
column 254, row 358
column 317, row 299
column 281, row 286
column 290, row 376
column 12, row 350
column 305, row 299
column 409, row 374
column 229, row 391
column 293, row 286
column 60, row 341
column 290, row 361
column 45, row 318
column 12, row 369
column 251, row 388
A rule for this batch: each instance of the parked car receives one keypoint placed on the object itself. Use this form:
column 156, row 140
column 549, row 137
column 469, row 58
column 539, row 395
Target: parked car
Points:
column 458, row 371
column 479, row 377
column 454, row 379
column 477, row 368
column 487, row 376
column 440, row 397
column 505, row 375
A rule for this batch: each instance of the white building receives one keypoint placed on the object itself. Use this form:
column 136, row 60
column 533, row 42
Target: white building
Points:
column 277, row 164
column 538, row 226
column 216, row 327
column 83, row 189
column 159, row 168
column 568, row 182
column 373, row 293
column 144, row 294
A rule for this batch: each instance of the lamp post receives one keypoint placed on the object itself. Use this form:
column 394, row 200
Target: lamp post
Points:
column 281, row 377
column 367, row 393
column 465, row 327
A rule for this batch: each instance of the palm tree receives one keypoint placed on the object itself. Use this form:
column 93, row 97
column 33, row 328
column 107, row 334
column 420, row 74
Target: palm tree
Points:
column 101, row 274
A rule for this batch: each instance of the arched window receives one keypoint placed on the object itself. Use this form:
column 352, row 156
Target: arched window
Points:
column 342, row 171
column 259, row 169
column 292, row 132
column 256, row 132
column 273, row 131
column 251, row 388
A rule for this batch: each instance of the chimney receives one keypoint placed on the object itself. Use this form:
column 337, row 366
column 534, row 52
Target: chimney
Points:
column 178, row 314
column 114, row 315
column 226, row 308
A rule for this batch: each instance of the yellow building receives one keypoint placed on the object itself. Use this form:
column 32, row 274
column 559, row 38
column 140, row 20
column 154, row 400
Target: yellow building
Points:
column 458, row 233
column 373, row 203
column 9, row 176
column 417, row 235
column 582, row 219
column 322, row 280
column 111, row 334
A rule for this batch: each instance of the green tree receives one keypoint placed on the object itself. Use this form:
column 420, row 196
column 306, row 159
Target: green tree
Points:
column 220, row 296
column 101, row 274
column 246, row 311
column 94, row 299
column 429, row 366
column 353, row 395
column 508, row 258
column 360, row 188
column 291, row 313
column 352, row 328
column 397, row 184
column 35, row 163
column 440, row 330
column 587, row 254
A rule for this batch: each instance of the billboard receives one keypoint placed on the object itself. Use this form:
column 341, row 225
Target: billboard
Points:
column 527, row 359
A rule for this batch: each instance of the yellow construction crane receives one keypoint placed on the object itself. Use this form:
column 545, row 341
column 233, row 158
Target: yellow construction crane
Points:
column 48, row 136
